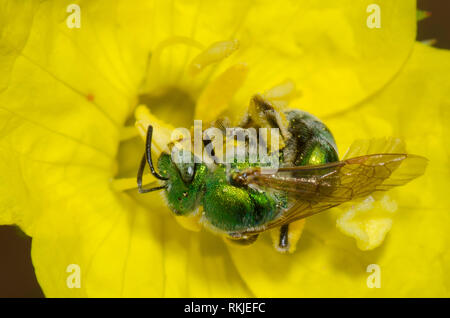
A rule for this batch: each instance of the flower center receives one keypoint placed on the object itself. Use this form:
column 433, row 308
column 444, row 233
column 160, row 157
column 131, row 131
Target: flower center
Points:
column 172, row 95
column 174, row 101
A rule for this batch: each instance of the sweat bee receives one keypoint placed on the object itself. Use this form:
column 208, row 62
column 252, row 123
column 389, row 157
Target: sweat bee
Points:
column 239, row 201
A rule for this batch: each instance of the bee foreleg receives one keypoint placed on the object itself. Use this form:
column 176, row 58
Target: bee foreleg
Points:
column 285, row 237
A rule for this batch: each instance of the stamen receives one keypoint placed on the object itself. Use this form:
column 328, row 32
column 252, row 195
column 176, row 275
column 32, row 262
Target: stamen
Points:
column 162, row 131
column 213, row 54
column 217, row 95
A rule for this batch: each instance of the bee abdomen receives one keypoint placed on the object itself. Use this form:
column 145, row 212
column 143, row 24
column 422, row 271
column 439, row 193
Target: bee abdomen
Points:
column 233, row 209
column 310, row 139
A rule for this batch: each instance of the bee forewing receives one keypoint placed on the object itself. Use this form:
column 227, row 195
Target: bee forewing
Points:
column 320, row 187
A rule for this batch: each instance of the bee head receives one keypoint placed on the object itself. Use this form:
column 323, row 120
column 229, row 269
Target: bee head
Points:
column 181, row 192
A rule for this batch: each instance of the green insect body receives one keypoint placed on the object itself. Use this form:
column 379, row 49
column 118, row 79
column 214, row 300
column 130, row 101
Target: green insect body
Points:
column 238, row 201
column 229, row 207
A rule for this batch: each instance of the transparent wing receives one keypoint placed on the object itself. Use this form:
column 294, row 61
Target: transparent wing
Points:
column 320, row 187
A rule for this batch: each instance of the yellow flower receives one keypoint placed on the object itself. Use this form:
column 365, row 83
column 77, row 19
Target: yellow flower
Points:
column 68, row 94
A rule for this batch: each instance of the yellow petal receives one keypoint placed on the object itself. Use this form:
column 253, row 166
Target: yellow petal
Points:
column 325, row 48
column 15, row 21
column 123, row 250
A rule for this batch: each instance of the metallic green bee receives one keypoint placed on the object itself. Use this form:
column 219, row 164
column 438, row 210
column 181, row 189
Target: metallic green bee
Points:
column 240, row 202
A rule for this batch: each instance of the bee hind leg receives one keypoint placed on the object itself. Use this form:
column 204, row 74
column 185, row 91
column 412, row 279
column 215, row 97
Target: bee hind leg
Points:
column 285, row 237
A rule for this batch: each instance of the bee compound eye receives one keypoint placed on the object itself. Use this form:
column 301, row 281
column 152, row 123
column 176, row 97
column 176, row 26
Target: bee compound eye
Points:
column 187, row 171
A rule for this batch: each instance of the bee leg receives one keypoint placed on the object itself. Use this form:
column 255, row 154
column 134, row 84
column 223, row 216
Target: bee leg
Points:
column 283, row 242
column 242, row 241
column 285, row 237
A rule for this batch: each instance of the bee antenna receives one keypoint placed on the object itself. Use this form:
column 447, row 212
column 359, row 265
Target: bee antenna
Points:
column 141, row 190
column 139, row 178
column 147, row 157
column 148, row 154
